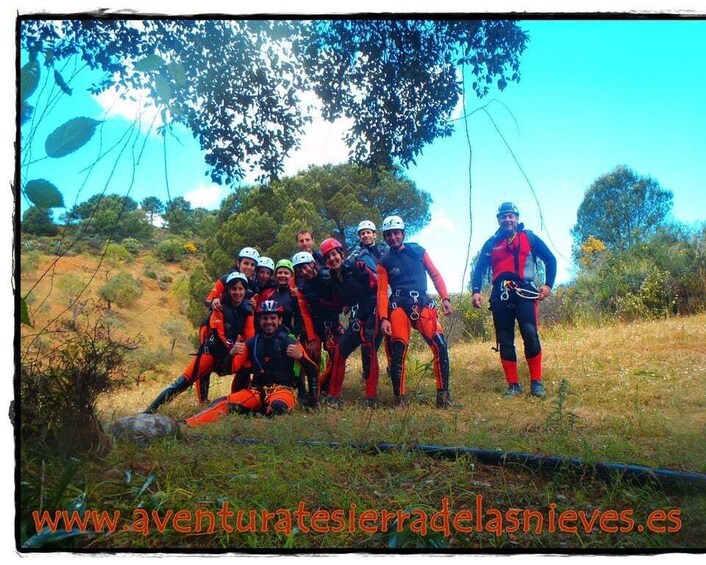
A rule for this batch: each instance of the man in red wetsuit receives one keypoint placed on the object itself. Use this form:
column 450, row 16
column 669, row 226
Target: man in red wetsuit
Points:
column 404, row 268
column 510, row 255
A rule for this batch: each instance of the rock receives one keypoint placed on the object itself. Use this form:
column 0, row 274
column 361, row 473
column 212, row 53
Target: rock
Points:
column 143, row 428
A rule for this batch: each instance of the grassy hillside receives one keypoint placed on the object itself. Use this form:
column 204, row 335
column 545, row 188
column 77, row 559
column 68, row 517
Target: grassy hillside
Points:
column 629, row 393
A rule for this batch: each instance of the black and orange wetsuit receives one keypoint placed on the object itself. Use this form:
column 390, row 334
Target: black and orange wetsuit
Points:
column 320, row 306
column 356, row 284
column 405, row 271
column 273, row 382
column 217, row 336
column 512, row 264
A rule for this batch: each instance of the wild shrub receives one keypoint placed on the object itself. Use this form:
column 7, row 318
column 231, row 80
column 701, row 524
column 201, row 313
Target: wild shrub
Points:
column 122, row 290
column 132, row 245
column 59, row 389
column 171, row 250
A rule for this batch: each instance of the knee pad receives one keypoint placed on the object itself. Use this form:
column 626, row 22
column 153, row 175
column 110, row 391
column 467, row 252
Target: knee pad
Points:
column 531, row 339
column 277, row 407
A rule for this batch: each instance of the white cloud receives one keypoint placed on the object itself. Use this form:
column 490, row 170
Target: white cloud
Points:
column 131, row 108
column 322, row 142
column 205, row 196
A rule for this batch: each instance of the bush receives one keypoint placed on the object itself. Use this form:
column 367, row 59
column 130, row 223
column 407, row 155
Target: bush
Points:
column 476, row 323
column 59, row 389
column 116, row 254
column 171, row 250
column 132, row 245
column 122, row 290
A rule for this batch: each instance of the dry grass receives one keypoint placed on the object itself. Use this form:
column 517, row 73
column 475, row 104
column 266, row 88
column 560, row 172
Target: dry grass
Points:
column 636, row 394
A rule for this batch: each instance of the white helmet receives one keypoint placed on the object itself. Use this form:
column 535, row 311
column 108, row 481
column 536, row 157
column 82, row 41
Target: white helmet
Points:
column 236, row 276
column 250, row 253
column 366, row 225
column 392, row 223
column 267, row 263
column 302, row 258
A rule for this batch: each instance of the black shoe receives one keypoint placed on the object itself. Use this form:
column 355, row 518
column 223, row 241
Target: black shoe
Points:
column 335, row 402
column 401, row 401
column 537, row 389
column 180, row 385
column 443, row 399
column 513, row 390
column 369, row 402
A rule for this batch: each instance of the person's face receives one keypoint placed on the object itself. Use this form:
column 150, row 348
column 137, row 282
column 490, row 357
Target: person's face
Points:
column 333, row 259
column 269, row 322
column 508, row 222
column 237, row 292
column 247, row 266
column 367, row 237
column 306, row 271
column 305, row 242
column 283, row 276
column 394, row 238
column 263, row 275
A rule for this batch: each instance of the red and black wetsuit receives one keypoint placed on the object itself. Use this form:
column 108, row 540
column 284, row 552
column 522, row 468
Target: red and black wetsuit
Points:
column 271, row 388
column 512, row 264
column 320, row 307
column 356, row 284
column 405, row 271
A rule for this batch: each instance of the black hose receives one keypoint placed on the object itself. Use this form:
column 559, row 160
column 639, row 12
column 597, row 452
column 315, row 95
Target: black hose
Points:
column 638, row 474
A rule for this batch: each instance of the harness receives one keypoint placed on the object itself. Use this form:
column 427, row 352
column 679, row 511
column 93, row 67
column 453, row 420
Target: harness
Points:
column 509, row 286
column 416, row 303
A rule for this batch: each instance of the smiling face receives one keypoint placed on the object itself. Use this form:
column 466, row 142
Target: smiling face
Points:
column 508, row 222
column 247, row 266
column 334, row 259
column 367, row 237
column 269, row 322
column 237, row 292
column 305, row 241
column 306, row 271
column 283, row 276
column 394, row 238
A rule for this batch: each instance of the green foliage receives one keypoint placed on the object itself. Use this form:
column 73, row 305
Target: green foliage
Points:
column 397, row 80
column 116, row 253
column 171, row 250
column 38, row 221
column 620, row 209
column 199, row 285
column 152, row 207
column 660, row 276
column 132, row 245
column 59, row 389
column 31, row 260
column 477, row 323
column 43, row 194
column 110, row 215
column 70, row 136
column 330, row 201
column 122, row 289
column 141, row 361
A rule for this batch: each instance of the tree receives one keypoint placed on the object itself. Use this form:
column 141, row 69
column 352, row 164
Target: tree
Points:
column 122, row 290
column 397, row 80
column 620, row 208
column 328, row 200
column 38, row 222
column 110, row 215
column 152, row 206
column 237, row 84
column 177, row 214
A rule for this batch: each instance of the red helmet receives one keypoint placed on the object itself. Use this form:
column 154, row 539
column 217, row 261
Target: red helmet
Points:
column 269, row 306
column 330, row 244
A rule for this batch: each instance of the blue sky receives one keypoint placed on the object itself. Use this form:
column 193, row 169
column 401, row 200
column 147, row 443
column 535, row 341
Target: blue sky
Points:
column 593, row 95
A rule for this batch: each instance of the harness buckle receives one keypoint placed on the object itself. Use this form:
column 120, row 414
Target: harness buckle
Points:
column 415, row 295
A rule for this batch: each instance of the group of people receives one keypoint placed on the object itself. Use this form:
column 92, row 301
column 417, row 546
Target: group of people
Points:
column 268, row 323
